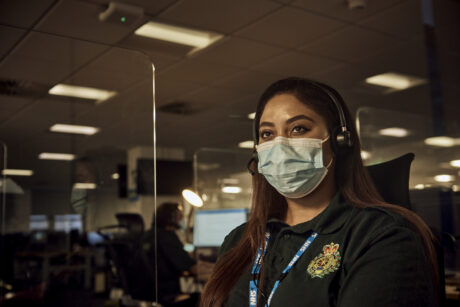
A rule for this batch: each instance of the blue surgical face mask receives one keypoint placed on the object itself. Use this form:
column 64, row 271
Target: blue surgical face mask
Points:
column 293, row 166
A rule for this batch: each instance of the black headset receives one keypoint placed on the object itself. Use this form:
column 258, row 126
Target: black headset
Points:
column 341, row 138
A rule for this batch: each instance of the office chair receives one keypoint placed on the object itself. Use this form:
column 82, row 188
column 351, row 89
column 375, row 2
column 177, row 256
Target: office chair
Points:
column 391, row 179
column 133, row 269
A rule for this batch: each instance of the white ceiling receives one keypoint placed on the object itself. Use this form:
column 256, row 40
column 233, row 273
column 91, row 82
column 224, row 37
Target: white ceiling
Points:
column 48, row 42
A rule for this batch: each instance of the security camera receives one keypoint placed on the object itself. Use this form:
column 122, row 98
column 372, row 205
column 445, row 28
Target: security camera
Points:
column 121, row 13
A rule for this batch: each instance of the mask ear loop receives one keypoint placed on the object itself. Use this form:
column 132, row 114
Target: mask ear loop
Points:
column 332, row 156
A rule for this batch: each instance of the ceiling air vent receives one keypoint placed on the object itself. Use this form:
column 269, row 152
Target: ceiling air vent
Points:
column 10, row 87
column 180, row 108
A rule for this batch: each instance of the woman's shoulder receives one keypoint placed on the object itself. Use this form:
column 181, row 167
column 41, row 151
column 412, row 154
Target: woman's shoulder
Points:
column 378, row 219
column 232, row 238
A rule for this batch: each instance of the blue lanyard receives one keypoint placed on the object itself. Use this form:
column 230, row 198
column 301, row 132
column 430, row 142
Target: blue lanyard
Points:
column 253, row 284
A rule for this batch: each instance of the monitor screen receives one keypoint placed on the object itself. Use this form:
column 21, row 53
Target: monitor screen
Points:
column 211, row 226
column 68, row 222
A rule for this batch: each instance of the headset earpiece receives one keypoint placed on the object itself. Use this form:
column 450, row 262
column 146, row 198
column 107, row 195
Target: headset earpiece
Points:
column 341, row 140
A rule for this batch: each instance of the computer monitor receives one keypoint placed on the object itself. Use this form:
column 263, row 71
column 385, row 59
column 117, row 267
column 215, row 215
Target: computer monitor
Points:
column 211, row 226
column 67, row 222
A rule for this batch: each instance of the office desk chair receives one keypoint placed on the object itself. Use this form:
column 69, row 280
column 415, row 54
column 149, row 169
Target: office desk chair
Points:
column 391, row 179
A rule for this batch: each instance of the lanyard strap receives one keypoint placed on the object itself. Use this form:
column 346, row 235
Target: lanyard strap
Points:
column 253, row 284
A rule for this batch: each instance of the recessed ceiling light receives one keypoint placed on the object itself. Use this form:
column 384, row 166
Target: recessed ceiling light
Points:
column 56, row 156
column 394, row 131
column 365, row 154
column 440, row 141
column 178, row 35
column 17, row 172
column 81, row 92
column 444, row 178
column 419, row 186
column 231, row 190
column 246, row 144
column 455, row 163
column 75, row 129
column 84, row 186
column 115, row 176
column 252, row 115
column 395, row 81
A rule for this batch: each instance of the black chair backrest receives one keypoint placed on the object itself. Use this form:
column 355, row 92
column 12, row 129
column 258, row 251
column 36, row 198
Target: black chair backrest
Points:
column 391, row 179
column 133, row 222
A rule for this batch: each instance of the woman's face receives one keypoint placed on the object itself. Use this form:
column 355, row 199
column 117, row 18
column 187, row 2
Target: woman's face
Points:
column 284, row 115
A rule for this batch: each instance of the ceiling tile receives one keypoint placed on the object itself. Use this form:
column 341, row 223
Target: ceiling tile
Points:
column 9, row 37
column 408, row 57
column 150, row 7
column 296, row 64
column 116, row 69
column 197, row 70
column 239, row 52
column 290, row 27
column 219, row 16
column 338, row 8
column 403, row 20
column 350, row 44
column 250, row 82
column 344, row 76
column 46, row 58
column 78, row 19
column 23, row 13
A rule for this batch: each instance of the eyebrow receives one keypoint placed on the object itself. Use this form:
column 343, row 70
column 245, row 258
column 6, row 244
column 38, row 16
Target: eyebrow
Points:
column 292, row 119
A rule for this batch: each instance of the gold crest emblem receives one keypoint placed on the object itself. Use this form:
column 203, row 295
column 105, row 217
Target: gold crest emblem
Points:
column 326, row 262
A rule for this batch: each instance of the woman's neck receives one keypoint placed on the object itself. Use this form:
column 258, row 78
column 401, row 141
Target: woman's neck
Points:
column 304, row 209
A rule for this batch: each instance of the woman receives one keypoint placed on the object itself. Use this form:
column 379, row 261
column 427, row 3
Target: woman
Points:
column 319, row 233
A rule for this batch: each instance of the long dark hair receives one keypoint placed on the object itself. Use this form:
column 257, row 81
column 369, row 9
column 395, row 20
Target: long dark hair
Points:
column 351, row 178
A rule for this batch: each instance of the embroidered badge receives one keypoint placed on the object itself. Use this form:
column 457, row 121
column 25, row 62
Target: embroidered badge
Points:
column 326, row 262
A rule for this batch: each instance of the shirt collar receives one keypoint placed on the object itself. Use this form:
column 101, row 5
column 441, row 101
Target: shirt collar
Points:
column 329, row 221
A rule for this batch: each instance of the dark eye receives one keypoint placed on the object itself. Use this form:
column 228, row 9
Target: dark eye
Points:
column 265, row 134
column 299, row 130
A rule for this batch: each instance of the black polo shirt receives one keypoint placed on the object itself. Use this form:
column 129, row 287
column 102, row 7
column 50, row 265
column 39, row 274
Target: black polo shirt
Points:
column 361, row 257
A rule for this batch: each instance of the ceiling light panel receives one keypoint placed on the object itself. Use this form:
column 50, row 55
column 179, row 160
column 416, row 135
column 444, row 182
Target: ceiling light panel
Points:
column 440, row 141
column 178, row 35
column 246, row 144
column 74, row 129
column 56, row 156
column 395, row 81
column 81, row 92
column 394, row 132
column 17, row 172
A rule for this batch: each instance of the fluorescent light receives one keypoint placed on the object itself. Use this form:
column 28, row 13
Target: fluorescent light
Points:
column 444, row 178
column 81, row 92
column 394, row 131
column 231, row 190
column 76, row 129
column 17, row 172
column 365, row 154
column 56, row 156
column 419, row 186
column 84, row 186
column 246, row 144
column 192, row 198
column 440, row 141
column 115, row 176
column 395, row 81
column 178, row 35
column 455, row 163
column 252, row 115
